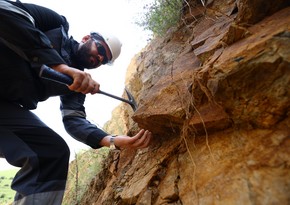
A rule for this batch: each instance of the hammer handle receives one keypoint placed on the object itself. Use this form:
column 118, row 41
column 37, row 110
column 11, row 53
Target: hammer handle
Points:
column 50, row 74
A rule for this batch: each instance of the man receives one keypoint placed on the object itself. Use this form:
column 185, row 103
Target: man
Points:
column 31, row 36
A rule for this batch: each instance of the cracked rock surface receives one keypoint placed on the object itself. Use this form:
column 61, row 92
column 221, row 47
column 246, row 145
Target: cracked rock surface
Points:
column 216, row 95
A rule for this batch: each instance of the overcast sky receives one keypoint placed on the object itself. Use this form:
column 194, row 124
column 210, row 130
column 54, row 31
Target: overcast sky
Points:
column 113, row 16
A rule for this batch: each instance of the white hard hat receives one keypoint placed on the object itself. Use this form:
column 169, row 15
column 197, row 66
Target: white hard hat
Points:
column 115, row 46
column 113, row 43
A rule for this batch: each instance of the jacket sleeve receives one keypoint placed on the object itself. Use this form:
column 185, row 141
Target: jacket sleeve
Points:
column 28, row 40
column 75, row 122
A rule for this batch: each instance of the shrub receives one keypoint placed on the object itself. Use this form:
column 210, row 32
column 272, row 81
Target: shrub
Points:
column 160, row 16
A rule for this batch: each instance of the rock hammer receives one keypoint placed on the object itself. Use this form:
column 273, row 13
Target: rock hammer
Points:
column 50, row 74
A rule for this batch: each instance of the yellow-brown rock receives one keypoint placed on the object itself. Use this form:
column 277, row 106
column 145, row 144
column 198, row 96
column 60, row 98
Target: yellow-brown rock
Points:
column 216, row 95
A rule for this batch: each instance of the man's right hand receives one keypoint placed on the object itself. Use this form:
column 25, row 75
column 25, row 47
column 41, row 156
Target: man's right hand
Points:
column 82, row 81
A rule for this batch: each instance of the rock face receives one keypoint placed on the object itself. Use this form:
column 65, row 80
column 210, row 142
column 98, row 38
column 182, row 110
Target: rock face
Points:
column 216, row 95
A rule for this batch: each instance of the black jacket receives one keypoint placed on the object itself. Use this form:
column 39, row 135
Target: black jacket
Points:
column 24, row 47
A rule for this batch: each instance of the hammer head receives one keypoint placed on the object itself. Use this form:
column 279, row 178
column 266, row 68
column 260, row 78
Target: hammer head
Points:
column 131, row 100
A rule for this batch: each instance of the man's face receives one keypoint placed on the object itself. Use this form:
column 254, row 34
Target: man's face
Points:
column 92, row 54
column 84, row 56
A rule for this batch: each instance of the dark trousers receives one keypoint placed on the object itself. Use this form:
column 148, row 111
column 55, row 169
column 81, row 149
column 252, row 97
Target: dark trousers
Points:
column 26, row 142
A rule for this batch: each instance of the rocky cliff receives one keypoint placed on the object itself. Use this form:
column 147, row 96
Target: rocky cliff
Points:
column 215, row 93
